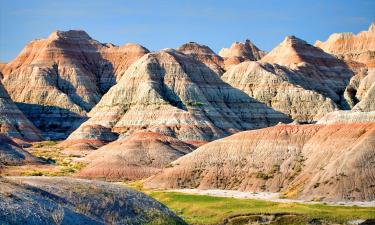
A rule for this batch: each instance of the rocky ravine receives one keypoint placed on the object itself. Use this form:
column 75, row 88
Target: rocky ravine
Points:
column 175, row 95
column 45, row 200
column 59, row 79
column 331, row 162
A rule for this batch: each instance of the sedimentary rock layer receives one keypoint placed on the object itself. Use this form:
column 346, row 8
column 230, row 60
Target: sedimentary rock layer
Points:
column 328, row 74
column 240, row 52
column 59, row 79
column 46, row 200
column 330, row 162
column 205, row 55
column 13, row 122
column 173, row 94
column 137, row 156
column 280, row 88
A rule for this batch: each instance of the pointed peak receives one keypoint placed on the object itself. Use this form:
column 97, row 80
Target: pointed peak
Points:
column 372, row 27
column 293, row 40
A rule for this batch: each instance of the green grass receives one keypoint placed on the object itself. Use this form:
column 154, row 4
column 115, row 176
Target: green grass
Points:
column 201, row 209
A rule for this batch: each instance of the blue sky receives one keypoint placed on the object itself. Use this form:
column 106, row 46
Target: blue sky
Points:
column 160, row 24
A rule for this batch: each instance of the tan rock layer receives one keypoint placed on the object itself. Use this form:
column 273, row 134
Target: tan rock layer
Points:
column 330, row 162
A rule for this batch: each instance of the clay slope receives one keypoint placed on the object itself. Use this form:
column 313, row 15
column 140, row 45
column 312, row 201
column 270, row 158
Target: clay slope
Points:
column 13, row 122
column 12, row 154
column 205, row 55
column 134, row 157
column 59, row 79
column 358, row 51
column 240, row 52
column 330, row 162
column 280, row 88
column 173, row 94
column 329, row 76
column 46, row 200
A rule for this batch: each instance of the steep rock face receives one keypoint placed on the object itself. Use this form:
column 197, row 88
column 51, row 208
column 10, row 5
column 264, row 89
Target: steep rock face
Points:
column 46, row 200
column 59, row 79
column 280, row 88
column 173, row 94
column 352, row 48
column 240, row 52
column 13, row 122
column 12, row 154
column 330, row 162
column 134, row 157
column 358, row 51
column 205, row 55
column 330, row 75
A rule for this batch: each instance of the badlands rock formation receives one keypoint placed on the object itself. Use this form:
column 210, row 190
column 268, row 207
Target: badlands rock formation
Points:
column 175, row 95
column 13, row 122
column 358, row 51
column 349, row 116
column 12, row 154
column 330, row 162
column 59, row 79
column 137, row 156
column 46, row 200
column 329, row 76
column 280, row 88
column 240, row 52
column 205, row 55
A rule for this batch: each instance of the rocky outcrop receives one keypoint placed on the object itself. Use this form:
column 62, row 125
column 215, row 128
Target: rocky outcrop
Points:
column 137, row 156
column 330, row 162
column 358, row 51
column 355, row 49
column 59, row 79
column 12, row 154
column 173, row 94
column 240, row 52
column 280, row 88
column 205, row 55
column 329, row 76
column 46, row 200
column 13, row 122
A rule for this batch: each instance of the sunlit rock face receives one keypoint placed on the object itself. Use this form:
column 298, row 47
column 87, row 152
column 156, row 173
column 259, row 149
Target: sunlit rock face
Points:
column 174, row 94
column 13, row 122
column 326, row 162
column 59, row 79
column 358, row 51
column 280, row 88
column 240, row 52
column 205, row 55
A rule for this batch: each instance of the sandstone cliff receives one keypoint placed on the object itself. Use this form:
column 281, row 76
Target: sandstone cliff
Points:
column 173, row 94
column 240, row 52
column 330, row 162
column 59, row 79
column 13, row 122
column 137, row 156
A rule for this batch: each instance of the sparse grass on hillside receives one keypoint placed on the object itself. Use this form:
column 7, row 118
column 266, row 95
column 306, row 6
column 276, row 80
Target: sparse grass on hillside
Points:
column 59, row 163
column 208, row 210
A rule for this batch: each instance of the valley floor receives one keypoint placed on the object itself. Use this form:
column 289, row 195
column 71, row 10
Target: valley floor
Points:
column 268, row 196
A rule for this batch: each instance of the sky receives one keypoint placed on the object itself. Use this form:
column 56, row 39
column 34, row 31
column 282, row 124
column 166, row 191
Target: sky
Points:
column 159, row 24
